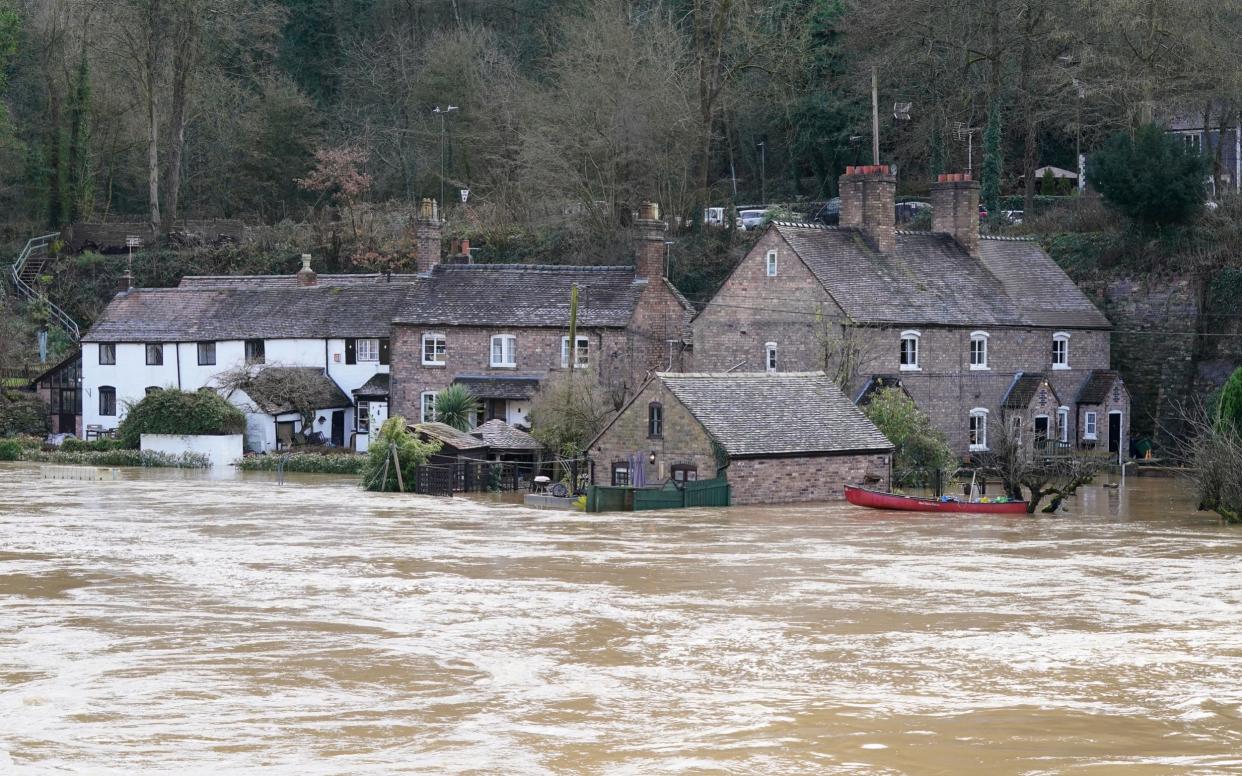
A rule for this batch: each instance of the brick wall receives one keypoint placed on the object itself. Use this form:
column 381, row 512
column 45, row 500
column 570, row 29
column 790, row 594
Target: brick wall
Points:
column 812, row 478
column 955, row 211
column 684, row 441
column 867, row 203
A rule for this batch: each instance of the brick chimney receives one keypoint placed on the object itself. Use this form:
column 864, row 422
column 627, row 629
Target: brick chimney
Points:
column 306, row 275
column 650, row 251
column 955, row 209
column 427, row 235
column 868, row 199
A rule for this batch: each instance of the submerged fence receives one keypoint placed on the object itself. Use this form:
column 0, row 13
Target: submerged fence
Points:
column 699, row 493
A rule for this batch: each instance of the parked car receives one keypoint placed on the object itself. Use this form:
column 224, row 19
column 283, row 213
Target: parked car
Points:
column 1013, row 216
column 752, row 219
column 908, row 211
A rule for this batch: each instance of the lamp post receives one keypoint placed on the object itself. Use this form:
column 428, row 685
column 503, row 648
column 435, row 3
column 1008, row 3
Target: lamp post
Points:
column 443, row 113
column 763, row 171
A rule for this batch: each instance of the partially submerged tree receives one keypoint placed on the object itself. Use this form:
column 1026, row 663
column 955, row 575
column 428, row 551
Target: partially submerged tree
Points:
column 394, row 456
column 566, row 414
column 1020, row 467
column 920, row 449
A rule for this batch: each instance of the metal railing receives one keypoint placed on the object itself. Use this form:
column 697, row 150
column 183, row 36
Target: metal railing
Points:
column 26, row 291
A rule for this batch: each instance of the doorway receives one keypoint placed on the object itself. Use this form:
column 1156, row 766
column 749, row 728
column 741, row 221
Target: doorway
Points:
column 338, row 428
column 1041, row 432
column 1114, row 432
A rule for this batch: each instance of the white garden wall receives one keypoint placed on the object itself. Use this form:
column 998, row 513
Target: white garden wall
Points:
column 222, row 449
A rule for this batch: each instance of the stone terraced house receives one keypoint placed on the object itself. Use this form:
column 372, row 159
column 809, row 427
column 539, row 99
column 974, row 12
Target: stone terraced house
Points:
column 965, row 324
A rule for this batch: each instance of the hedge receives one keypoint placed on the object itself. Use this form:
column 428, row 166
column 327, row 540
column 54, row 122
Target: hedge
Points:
column 170, row 411
column 147, row 458
column 22, row 413
column 309, row 463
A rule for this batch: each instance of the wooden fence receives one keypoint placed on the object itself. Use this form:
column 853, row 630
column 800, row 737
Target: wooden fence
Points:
column 700, row 493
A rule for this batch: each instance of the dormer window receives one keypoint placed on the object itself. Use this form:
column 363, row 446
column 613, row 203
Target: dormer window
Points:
column 978, row 351
column 1060, row 350
column 910, row 351
column 771, row 264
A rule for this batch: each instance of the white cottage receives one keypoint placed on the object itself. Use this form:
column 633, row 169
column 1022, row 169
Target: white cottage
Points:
column 188, row 337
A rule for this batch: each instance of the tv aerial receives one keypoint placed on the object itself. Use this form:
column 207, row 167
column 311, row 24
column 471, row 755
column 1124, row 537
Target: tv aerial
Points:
column 901, row 110
column 965, row 134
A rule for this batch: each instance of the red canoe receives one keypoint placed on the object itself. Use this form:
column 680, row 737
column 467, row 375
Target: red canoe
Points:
column 877, row 500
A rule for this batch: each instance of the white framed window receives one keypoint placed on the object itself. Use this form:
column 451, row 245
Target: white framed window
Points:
column 977, row 429
column 428, row 402
column 1090, row 421
column 1060, row 350
column 1063, row 424
column 769, row 356
column 978, row 351
column 107, row 353
column 504, row 350
column 1015, row 429
column 435, row 349
column 362, row 417
column 910, row 351
column 772, row 264
column 367, row 349
column 582, row 353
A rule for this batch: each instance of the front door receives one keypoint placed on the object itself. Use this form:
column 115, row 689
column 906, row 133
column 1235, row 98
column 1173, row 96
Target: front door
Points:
column 1041, row 432
column 338, row 428
column 67, row 411
column 1114, row 432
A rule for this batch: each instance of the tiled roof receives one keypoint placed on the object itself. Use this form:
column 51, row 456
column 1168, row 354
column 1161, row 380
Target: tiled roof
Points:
column 522, row 295
column 267, row 389
column 773, row 414
column 188, row 315
column 499, row 435
column 508, row 386
column 1095, row 389
column 289, row 281
column 931, row 280
column 1022, row 390
column 877, row 383
column 442, row 432
column 376, row 387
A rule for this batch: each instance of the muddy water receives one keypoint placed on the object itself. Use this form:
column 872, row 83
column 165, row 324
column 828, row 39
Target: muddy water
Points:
column 174, row 625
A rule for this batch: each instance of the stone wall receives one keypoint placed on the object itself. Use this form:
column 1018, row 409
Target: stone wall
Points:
column 683, row 441
column 810, row 478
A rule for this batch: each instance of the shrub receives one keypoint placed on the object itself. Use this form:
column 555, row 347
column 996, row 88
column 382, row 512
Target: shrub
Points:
column 147, row 458
column 1153, row 178
column 22, row 413
column 180, row 412
column 1229, row 405
column 920, row 448
column 10, row 450
column 310, row 463
column 75, row 445
column 378, row 473
column 456, row 406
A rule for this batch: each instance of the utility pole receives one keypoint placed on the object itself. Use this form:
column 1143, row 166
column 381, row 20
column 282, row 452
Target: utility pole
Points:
column 443, row 132
column 875, row 118
column 763, row 171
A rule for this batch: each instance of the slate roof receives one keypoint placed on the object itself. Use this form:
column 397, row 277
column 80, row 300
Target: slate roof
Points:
column 499, row 435
column 266, row 389
column 188, row 315
column 1097, row 385
column 376, row 387
column 1022, row 390
column 784, row 413
column 931, row 280
column 876, row 383
column 522, row 295
column 508, row 386
column 442, row 432
column 289, row 281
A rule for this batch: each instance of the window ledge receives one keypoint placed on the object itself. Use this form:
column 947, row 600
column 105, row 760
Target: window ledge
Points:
column 1090, row 438
column 980, row 368
column 504, row 366
column 978, row 448
column 911, row 368
column 1060, row 366
column 439, row 364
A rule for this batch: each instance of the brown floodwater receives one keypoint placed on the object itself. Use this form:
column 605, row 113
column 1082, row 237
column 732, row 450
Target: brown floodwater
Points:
column 174, row 624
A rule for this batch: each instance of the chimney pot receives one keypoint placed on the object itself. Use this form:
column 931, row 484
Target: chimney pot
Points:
column 306, row 275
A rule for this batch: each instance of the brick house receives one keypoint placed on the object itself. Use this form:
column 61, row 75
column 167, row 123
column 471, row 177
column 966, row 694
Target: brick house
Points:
column 952, row 317
column 782, row 437
column 501, row 329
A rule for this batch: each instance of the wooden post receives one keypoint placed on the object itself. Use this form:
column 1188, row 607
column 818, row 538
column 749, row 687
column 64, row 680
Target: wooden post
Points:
column 396, row 464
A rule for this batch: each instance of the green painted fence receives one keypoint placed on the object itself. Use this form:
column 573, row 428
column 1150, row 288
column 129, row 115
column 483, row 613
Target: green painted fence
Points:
column 701, row 493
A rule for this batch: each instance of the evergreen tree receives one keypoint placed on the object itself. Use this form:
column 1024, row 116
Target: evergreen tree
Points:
column 1229, row 408
column 935, row 153
column 992, row 163
column 1153, row 178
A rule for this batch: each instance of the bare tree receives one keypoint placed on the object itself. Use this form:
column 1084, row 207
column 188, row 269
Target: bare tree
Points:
column 1021, row 466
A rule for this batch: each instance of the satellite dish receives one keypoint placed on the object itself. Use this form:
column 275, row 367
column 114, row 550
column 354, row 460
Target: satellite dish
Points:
column 901, row 110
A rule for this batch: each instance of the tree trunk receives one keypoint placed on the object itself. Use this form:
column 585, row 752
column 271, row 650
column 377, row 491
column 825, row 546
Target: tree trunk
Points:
column 154, row 45
column 183, row 66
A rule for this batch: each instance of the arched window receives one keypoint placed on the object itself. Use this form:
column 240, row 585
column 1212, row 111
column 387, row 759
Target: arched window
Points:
column 1060, row 350
column 107, row 401
column 978, row 350
column 977, row 429
column 910, row 351
column 655, row 420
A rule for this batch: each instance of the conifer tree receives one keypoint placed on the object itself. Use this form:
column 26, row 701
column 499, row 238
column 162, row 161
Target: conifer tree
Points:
column 990, row 189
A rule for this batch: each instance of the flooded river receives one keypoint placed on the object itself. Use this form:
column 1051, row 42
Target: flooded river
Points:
column 174, row 625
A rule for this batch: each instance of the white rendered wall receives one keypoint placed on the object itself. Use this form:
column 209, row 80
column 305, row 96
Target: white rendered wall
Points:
column 222, row 449
column 379, row 414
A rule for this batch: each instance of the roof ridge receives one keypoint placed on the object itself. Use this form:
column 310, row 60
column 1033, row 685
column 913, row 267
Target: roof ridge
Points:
column 540, row 267
column 765, row 375
column 810, row 225
column 1007, row 238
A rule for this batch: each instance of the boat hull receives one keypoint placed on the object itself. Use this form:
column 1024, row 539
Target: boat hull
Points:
column 876, row 500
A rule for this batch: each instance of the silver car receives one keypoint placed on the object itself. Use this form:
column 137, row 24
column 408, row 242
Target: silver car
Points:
column 752, row 219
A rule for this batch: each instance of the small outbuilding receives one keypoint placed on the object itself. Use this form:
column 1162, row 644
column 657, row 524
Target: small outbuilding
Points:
column 777, row 437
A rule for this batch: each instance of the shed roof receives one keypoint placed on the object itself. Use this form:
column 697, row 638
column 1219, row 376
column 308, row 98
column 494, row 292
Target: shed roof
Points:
column 783, row 413
column 506, row 386
column 499, row 435
column 376, row 387
column 188, row 315
column 446, row 434
column 269, row 387
column 931, row 280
